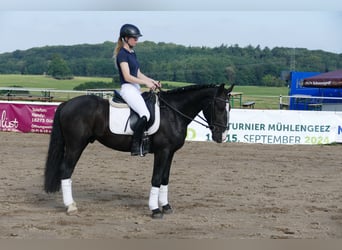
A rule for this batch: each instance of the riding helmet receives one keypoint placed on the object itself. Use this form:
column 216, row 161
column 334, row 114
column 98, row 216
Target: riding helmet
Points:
column 129, row 30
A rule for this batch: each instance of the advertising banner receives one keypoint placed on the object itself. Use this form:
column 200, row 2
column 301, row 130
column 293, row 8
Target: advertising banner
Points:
column 27, row 117
column 245, row 126
column 277, row 127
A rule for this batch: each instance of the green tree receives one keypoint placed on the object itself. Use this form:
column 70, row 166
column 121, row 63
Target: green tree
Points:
column 58, row 68
column 172, row 62
column 272, row 81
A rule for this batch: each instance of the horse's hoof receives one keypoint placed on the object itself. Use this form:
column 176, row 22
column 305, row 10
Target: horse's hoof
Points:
column 72, row 209
column 157, row 214
column 167, row 209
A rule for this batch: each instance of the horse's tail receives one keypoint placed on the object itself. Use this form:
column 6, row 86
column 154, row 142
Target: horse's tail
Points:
column 52, row 182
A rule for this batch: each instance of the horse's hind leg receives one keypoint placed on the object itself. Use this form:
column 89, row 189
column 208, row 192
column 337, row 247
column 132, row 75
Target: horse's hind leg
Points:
column 68, row 200
column 71, row 157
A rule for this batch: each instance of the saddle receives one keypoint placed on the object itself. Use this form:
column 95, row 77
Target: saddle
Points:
column 122, row 119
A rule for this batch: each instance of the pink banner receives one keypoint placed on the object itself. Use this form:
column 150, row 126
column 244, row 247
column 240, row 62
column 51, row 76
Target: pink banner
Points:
column 27, row 117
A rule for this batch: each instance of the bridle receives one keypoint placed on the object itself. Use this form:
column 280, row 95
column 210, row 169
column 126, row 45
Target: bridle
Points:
column 210, row 125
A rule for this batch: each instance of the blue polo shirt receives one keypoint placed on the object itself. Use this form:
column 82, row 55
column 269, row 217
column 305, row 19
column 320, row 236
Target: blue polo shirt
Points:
column 129, row 57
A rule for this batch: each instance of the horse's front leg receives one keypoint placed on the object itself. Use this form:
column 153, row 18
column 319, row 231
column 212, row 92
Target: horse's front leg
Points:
column 160, row 180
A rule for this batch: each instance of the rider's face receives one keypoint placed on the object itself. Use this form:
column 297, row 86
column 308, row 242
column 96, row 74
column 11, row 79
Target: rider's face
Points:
column 132, row 41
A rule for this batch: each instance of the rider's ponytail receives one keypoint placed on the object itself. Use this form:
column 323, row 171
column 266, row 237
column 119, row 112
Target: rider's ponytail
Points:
column 119, row 45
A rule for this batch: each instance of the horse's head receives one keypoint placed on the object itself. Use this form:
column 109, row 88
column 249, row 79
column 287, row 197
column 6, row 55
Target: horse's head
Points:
column 217, row 113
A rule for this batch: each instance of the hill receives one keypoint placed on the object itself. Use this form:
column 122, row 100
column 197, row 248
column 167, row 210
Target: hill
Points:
column 171, row 62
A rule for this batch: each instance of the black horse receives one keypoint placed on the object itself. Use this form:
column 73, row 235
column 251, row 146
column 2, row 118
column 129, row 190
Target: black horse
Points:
column 84, row 119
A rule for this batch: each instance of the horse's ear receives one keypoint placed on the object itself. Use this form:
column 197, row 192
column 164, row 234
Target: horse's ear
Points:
column 230, row 88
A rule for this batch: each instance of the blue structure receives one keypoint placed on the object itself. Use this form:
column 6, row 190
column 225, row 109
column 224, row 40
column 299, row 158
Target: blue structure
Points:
column 303, row 98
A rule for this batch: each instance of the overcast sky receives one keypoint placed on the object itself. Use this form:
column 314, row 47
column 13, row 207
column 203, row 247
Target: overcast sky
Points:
column 42, row 23
column 119, row 5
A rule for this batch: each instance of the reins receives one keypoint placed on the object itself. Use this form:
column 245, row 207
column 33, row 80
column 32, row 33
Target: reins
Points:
column 210, row 126
column 182, row 114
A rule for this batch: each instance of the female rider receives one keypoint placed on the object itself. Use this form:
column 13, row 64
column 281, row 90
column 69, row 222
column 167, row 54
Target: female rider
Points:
column 131, row 78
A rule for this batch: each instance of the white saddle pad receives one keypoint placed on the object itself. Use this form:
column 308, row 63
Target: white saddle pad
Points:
column 119, row 119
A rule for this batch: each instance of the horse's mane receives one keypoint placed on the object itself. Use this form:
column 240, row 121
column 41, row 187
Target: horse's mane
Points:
column 189, row 88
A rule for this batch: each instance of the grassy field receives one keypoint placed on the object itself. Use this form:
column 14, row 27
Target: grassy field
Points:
column 40, row 81
column 264, row 97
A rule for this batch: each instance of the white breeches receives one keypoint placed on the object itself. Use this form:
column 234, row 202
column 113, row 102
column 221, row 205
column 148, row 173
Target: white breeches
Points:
column 131, row 93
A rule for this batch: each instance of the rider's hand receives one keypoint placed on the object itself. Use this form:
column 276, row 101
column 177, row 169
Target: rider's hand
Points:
column 153, row 85
column 157, row 84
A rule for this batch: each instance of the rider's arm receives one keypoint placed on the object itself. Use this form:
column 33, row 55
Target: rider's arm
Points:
column 140, row 79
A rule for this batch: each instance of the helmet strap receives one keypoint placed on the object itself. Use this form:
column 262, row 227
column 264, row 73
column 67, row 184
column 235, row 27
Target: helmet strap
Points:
column 126, row 41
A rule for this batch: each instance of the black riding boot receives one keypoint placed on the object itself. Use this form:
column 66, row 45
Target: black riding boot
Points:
column 137, row 137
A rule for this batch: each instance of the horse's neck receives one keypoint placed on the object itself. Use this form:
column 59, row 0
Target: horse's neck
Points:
column 192, row 103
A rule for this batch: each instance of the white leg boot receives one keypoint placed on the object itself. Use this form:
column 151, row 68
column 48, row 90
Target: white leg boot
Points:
column 162, row 201
column 153, row 200
column 67, row 196
column 153, row 203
